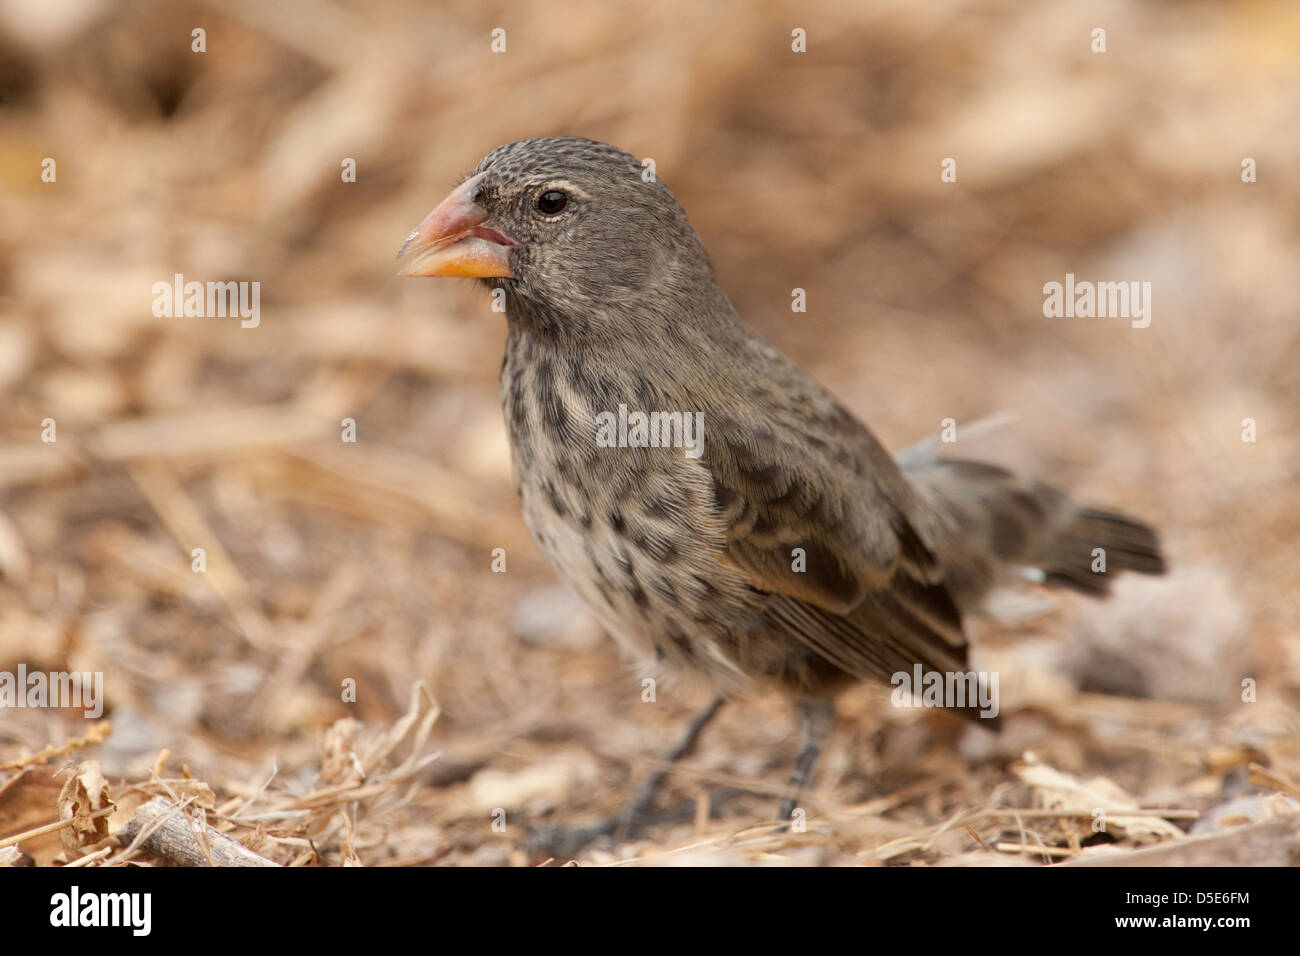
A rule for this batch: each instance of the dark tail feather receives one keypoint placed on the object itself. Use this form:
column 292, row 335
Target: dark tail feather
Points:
column 1094, row 547
column 1008, row 521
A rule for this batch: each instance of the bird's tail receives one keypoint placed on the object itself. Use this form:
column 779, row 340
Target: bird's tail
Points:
column 1004, row 524
column 1095, row 545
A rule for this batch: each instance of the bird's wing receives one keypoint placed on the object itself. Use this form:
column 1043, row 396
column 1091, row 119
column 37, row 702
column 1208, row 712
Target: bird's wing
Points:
column 818, row 514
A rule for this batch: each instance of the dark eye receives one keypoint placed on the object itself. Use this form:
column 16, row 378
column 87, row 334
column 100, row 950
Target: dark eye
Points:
column 552, row 201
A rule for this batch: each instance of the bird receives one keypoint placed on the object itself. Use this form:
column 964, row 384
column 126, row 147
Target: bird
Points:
column 755, row 535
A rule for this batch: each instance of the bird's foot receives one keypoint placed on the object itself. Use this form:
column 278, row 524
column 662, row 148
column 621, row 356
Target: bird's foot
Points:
column 567, row 842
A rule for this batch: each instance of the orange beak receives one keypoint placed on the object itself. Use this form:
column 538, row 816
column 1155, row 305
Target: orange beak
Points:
column 452, row 240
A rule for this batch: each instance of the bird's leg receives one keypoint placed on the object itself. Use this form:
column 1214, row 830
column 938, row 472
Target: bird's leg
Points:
column 567, row 842
column 639, row 811
column 816, row 719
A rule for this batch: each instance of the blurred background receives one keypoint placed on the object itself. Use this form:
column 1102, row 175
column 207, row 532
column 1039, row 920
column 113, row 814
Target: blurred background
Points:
column 369, row 561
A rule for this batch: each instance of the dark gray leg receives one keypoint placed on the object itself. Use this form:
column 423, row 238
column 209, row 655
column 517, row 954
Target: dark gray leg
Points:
column 637, row 815
column 559, row 841
column 816, row 719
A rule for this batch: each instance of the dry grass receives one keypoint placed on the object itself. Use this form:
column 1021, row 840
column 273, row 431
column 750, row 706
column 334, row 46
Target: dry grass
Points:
column 329, row 562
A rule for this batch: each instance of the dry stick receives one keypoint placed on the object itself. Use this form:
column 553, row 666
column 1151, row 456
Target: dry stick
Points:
column 172, row 838
column 890, row 801
column 1024, row 839
column 1133, row 711
column 419, row 691
column 348, row 793
column 257, row 794
column 952, row 821
column 97, row 734
column 51, row 828
column 90, row 858
column 201, row 832
column 1272, row 778
column 160, row 764
column 734, row 841
column 1047, row 851
column 270, row 816
column 977, row 838
column 147, row 831
column 888, row 851
column 1086, row 814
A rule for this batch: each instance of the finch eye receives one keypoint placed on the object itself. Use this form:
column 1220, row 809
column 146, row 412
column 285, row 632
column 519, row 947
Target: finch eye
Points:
column 552, row 201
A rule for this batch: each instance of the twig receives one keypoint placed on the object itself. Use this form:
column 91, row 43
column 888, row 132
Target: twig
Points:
column 97, row 734
column 51, row 828
column 170, row 835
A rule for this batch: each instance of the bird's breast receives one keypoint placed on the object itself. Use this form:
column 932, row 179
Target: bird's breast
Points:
column 633, row 530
